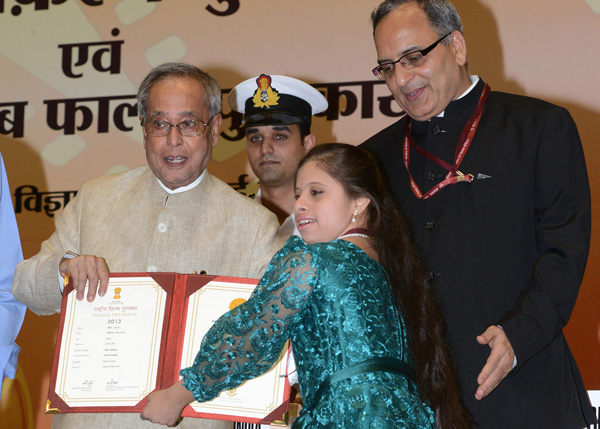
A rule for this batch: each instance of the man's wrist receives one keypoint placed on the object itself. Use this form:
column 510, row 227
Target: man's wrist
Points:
column 61, row 280
column 515, row 357
column 70, row 255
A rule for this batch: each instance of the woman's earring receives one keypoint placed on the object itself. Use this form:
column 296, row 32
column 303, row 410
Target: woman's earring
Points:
column 354, row 215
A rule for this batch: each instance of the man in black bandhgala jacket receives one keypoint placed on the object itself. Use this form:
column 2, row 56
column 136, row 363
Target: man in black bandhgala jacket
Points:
column 495, row 188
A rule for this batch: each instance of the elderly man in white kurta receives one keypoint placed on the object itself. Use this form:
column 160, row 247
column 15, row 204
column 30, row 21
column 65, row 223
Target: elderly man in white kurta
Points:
column 171, row 216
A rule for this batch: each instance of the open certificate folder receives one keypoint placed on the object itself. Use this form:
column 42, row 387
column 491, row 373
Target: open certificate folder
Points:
column 111, row 353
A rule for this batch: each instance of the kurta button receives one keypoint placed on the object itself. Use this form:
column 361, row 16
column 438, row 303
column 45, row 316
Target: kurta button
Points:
column 430, row 225
column 436, row 130
column 429, row 275
column 162, row 227
column 431, row 176
column 152, row 269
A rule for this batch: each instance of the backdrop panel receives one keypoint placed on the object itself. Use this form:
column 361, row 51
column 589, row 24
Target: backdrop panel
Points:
column 69, row 71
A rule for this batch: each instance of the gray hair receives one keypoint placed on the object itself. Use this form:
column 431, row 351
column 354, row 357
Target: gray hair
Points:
column 211, row 87
column 441, row 14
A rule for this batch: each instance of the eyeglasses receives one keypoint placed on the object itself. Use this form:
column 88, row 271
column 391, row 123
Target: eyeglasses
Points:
column 161, row 128
column 408, row 61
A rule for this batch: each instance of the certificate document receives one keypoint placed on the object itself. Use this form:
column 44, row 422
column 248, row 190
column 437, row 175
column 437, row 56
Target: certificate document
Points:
column 110, row 347
column 204, row 308
column 113, row 352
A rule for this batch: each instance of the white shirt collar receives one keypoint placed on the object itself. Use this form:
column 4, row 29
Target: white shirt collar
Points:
column 474, row 79
column 288, row 227
column 258, row 197
column 183, row 188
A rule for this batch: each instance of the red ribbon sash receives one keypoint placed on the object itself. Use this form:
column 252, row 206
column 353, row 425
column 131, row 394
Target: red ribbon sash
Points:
column 464, row 142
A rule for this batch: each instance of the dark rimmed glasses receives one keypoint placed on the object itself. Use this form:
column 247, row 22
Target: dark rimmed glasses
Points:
column 188, row 128
column 408, row 61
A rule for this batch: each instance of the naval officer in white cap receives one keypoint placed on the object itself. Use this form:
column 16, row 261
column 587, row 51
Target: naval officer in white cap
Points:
column 277, row 118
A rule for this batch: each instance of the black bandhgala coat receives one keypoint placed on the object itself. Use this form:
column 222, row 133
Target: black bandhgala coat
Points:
column 508, row 248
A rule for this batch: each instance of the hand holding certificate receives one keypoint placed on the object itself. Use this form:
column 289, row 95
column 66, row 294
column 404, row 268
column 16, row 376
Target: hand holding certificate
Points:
column 113, row 352
column 165, row 406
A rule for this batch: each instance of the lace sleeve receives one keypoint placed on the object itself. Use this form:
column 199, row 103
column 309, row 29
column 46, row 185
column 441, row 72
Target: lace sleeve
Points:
column 246, row 341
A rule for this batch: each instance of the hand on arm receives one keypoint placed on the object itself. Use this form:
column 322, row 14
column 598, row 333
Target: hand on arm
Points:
column 83, row 269
column 165, row 406
column 500, row 362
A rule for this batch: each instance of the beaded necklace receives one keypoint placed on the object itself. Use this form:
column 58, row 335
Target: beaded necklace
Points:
column 355, row 232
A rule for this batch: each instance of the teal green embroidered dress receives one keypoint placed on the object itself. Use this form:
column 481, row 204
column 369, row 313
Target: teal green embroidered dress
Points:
column 334, row 303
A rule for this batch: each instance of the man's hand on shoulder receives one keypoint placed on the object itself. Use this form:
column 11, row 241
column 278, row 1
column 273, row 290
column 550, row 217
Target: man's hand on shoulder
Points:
column 499, row 363
column 86, row 270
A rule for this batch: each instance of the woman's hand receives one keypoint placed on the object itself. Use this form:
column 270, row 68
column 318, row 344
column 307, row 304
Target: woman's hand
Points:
column 165, row 406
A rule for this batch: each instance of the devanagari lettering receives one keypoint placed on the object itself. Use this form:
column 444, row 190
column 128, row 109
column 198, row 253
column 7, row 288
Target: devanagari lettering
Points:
column 234, row 132
column 28, row 197
column 54, row 201
column 38, row 5
column 71, row 106
column 232, row 7
column 12, row 118
column 241, row 182
column 386, row 106
column 334, row 93
column 81, row 50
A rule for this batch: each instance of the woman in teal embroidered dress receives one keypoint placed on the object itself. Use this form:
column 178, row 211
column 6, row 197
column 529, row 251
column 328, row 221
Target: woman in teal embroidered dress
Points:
column 353, row 299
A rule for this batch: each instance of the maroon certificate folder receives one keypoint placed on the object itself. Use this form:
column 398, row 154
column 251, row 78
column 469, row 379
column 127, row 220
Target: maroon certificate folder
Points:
column 111, row 353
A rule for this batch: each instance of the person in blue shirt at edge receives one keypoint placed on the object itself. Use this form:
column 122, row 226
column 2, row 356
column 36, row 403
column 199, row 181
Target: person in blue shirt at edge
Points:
column 495, row 189
column 354, row 299
column 12, row 312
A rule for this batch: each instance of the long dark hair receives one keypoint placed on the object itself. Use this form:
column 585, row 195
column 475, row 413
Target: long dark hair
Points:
column 356, row 170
